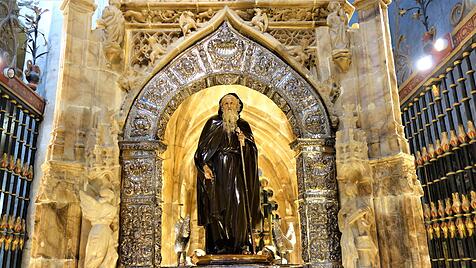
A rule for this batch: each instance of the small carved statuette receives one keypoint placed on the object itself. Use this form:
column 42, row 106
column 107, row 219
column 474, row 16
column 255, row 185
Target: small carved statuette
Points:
column 205, row 16
column 187, row 22
column 337, row 22
column 156, row 50
column 112, row 21
column 260, row 20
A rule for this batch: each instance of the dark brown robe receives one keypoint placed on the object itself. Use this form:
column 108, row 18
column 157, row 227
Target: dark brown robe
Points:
column 221, row 202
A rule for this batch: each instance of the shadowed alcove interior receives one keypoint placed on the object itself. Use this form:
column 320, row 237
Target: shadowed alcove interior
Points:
column 272, row 133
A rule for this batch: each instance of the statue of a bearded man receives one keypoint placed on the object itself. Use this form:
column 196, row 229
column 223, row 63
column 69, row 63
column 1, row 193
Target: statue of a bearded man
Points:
column 227, row 181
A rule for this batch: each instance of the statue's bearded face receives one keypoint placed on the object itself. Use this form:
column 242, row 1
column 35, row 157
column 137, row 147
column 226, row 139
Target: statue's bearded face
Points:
column 230, row 106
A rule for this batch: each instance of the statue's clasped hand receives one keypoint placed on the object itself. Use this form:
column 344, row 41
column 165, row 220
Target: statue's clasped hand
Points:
column 208, row 172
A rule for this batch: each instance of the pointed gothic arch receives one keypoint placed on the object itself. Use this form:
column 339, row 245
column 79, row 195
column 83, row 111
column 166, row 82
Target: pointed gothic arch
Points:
column 224, row 57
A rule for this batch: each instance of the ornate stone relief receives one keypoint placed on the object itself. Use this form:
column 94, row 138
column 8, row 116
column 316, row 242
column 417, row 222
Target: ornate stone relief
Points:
column 151, row 15
column 166, row 16
column 356, row 217
column 149, row 46
column 228, row 57
column 295, row 14
column 187, row 22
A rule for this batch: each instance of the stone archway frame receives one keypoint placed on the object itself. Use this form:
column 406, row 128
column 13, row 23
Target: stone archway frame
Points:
column 219, row 54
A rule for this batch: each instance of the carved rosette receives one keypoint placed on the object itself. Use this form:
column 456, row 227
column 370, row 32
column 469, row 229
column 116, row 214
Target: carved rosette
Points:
column 318, row 204
column 227, row 57
column 141, row 212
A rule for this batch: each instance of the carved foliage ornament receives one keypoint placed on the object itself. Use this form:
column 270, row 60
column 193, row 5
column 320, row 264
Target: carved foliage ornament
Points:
column 230, row 57
column 137, row 174
column 137, row 235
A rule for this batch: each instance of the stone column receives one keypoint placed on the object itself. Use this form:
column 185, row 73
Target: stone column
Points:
column 397, row 192
column 141, row 211
column 56, row 215
column 318, row 205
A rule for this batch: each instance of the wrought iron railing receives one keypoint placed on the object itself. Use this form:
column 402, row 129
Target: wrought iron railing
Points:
column 439, row 125
column 20, row 114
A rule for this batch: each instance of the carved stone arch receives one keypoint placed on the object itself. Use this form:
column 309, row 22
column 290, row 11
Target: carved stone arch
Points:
column 227, row 57
column 256, row 63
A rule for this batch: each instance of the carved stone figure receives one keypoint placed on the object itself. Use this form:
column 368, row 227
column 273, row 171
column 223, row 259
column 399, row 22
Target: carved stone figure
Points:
column 358, row 248
column 227, row 181
column 187, row 23
column 356, row 218
column 112, row 21
column 135, row 16
column 260, row 20
column 337, row 22
column 156, row 50
column 100, row 210
column 299, row 54
column 284, row 242
column 205, row 15
column 182, row 236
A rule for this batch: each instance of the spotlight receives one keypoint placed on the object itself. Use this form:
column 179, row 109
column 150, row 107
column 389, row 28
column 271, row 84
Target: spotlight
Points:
column 424, row 63
column 440, row 44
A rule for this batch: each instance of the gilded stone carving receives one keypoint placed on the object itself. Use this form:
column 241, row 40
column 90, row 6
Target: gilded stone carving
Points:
column 210, row 62
column 304, row 55
column 187, row 22
column 166, row 16
column 131, row 79
column 260, row 20
column 295, row 14
column 294, row 37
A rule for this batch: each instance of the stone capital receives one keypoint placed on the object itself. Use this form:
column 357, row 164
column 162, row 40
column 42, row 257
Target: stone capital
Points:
column 365, row 4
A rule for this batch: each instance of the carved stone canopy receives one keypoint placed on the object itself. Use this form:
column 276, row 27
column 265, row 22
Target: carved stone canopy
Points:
column 227, row 57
